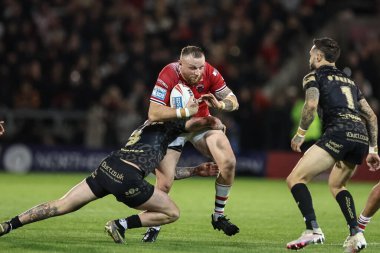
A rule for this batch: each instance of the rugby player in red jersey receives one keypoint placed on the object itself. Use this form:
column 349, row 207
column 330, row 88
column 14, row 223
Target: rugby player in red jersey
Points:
column 210, row 90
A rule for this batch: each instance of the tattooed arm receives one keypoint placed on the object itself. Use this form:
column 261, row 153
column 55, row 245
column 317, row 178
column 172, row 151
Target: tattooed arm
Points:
column 204, row 170
column 373, row 159
column 225, row 100
column 307, row 117
column 371, row 121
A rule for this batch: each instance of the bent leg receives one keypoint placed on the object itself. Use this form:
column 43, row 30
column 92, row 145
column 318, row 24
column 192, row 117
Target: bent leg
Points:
column 160, row 210
column 215, row 144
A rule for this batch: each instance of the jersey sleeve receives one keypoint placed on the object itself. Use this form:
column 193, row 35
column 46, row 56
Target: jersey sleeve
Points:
column 310, row 81
column 164, row 85
column 217, row 83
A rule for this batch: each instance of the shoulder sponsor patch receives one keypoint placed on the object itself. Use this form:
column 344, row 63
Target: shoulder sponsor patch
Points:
column 159, row 92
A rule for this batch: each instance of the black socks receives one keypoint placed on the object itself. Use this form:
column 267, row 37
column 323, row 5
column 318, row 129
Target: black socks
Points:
column 303, row 199
column 346, row 203
column 14, row 223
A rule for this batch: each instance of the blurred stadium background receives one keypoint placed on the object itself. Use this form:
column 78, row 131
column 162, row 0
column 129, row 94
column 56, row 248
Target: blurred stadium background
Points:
column 76, row 75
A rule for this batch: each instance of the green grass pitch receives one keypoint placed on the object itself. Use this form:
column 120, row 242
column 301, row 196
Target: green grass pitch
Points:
column 264, row 210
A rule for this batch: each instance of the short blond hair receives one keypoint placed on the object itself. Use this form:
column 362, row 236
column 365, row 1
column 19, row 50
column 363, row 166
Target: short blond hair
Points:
column 194, row 51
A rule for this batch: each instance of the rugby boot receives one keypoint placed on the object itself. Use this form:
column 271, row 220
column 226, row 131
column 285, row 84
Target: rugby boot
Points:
column 354, row 243
column 222, row 223
column 117, row 233
column 308, row 237
column 151, row 234
column 5, row 228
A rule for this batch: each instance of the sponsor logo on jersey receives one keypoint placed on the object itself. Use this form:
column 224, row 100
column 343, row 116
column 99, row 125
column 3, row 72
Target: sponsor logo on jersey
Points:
column 200, row 87
column 111, row 172
column 132, row 192
column 215, row 72
column 177, row 102
column 159, row 92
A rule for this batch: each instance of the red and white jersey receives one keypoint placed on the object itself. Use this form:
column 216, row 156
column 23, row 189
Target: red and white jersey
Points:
column 211, row 82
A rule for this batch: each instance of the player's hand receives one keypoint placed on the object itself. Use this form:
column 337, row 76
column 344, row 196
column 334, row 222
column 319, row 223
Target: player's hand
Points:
column 297, row 142
column 208, row 169
column 2, row 130
column 192, row 105
column 373, row 162
column 211, row 101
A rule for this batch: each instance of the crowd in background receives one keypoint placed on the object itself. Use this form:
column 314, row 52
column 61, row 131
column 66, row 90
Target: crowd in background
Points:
column 103, row 57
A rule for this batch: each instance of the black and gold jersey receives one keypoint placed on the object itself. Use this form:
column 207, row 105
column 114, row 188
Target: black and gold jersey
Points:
column 338, row 101
column 147, row 145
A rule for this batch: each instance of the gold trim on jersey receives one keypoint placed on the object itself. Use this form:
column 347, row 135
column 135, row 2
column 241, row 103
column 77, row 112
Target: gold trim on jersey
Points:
column 308, row 78
column 349, row 116
column 340, row 79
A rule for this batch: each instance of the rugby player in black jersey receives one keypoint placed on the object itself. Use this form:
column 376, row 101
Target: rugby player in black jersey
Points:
column 122, row 174
column 349, row 126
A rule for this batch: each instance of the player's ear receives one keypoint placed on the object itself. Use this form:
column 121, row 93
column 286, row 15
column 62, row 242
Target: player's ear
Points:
column 320, row 56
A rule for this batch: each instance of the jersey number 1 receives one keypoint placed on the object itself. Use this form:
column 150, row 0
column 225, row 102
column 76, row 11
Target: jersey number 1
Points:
column 349, row 98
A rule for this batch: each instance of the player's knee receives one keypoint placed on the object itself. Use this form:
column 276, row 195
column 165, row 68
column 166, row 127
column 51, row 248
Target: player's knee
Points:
column 165, row 187
column 335, row 188
column 295, row 178
column 173, row 215
column 290, row 181
column 228, row 163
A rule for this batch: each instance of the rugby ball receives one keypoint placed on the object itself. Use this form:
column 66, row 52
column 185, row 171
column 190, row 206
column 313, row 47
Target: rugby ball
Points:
column 180, row 96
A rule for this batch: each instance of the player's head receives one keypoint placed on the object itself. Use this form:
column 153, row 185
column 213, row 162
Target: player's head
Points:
column 192, row 64
column 323, row 50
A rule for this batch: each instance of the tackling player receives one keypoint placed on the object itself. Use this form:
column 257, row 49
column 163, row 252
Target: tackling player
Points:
column 122, row 174
column 211, row 90
column 343, row 145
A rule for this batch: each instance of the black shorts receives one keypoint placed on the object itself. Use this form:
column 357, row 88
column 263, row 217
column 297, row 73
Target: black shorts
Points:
column 125, row 182
column 342, row 148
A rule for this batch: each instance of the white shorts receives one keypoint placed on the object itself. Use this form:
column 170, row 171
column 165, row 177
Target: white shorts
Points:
column 193, row 137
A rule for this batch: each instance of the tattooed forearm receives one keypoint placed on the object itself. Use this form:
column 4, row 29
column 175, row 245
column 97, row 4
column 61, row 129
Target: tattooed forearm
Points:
column 223, row 94
column 40, row 212
column 309, row 108
column 228, row 98
column 230, row 103
column 371, row 121
column 184, row 172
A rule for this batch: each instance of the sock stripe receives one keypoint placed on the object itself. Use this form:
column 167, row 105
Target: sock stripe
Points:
column 219, row 205
column 363, row 222
column 221, row 198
